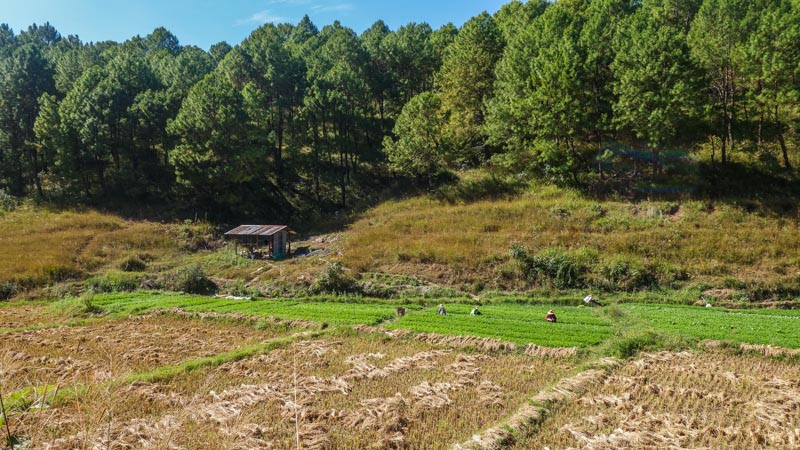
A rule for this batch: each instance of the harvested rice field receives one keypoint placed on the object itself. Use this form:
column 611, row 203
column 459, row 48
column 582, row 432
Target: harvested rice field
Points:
column 26, row 315
column 106, row 350
column 705, row 400
column 343, row 391
column 197, row 373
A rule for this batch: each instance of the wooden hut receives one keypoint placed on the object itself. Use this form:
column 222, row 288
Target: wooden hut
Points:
column 270, row 241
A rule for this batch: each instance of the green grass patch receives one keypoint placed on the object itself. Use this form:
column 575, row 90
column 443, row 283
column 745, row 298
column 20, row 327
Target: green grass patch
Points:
column 773, row 327
column 119, row 305
column 523, row 324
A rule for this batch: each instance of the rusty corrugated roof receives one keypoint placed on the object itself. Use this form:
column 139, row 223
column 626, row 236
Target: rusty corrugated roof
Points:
column 256, row 230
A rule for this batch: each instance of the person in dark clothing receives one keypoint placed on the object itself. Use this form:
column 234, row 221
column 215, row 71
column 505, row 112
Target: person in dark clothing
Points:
column 551, row 316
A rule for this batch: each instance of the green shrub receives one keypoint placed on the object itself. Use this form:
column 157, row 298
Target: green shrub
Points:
column 8, row 202
column 7, row 290
column 133, row 263
column 553, row 267
column 627, row 275
column 191, row 279
column 558, row 268
column 630, row 345
column 114, row 281
column 334, row 280
column 239, row 289
column 88, row 306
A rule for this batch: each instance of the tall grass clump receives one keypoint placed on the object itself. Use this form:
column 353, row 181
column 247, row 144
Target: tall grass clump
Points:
column 8, row 202
column 191, row 279
column 334, row 279
column 114, row 281
column 626, row 274
column 553, row 267
column 133, row 263
column 7, row 290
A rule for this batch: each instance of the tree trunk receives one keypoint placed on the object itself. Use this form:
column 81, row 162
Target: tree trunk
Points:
column 784, row 151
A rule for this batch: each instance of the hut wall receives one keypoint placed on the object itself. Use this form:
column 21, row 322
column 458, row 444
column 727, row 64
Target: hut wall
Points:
column 281, row 238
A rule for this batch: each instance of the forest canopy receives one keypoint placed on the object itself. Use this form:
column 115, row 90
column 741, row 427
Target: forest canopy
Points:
column 297, row 121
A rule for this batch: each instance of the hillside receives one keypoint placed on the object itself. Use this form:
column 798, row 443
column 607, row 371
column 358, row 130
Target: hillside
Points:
column 442, row 243
column 613, row 245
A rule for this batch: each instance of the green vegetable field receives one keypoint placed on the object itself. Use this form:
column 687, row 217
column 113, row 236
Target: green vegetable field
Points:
column 774, row 327
column 522, row 324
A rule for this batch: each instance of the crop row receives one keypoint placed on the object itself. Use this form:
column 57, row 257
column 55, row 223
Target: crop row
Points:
column 771, row 327
column 522, row 324
column 323, row 312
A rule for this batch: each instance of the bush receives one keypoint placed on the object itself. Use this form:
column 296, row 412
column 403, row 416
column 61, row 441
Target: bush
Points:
column 88, row 306
column 191, row 279
column 627, row 275
column 554, row 267
column 7, row 290
column 334, row 280
column 8, row 202
column 239, row 289
column 133, row 263
column 634, row 343
column 114, row 281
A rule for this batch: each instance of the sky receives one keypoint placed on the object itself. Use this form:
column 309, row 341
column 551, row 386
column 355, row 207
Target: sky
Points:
column 206, row 22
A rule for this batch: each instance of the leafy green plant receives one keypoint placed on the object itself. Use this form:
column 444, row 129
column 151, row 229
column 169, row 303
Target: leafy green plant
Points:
column 8, row 202
column 334, row 279
column 191, row 279
column 522, row 324
column 7, row 290
column 133, row 263
column 114, row 281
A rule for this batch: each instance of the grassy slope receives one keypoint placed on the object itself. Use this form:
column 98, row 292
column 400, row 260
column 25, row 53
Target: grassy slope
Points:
column 460, row 243
column 39, row 247
column 464, row 244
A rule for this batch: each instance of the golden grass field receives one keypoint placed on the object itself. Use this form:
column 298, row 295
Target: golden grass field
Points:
column 458, row 242
column 39, row 247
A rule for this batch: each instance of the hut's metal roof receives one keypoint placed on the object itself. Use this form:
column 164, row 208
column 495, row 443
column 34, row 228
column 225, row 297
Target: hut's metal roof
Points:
column 256, row 230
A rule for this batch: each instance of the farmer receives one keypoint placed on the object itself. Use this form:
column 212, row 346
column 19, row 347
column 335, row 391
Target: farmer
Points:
column 551, row 316
column 589, row 300
column 475, row 311
column 442, row 311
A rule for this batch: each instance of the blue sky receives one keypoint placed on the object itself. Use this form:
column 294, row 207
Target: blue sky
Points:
column 205, row 22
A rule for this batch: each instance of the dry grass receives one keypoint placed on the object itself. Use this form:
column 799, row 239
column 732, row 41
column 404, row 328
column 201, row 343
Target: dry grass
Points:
column 13, row 315
column 104, row 351
column 465, row 242
column 684, row 400
column 39, row 247
column 347, row 392
column 473, row 342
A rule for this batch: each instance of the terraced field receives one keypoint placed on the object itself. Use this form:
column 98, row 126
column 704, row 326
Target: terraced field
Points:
column 683, row 400
column 521, row 324
column 774, row 327
column 151, row 370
